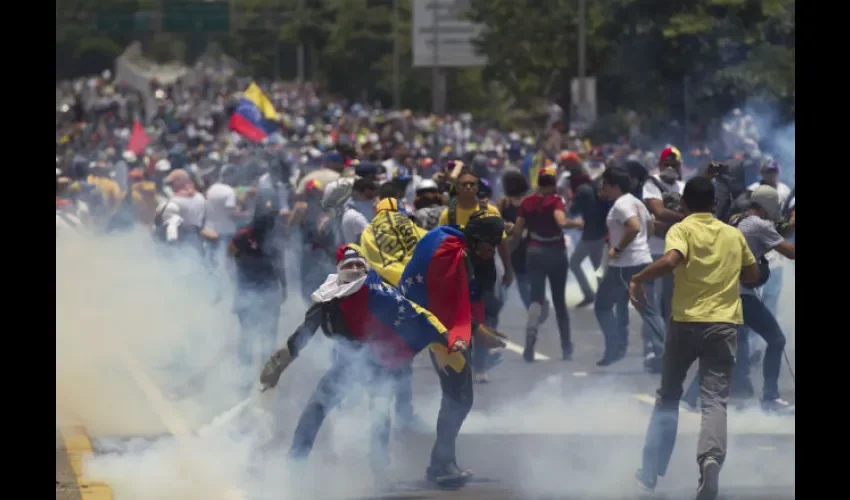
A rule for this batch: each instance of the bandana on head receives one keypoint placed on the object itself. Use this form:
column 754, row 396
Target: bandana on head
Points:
column 346, row 281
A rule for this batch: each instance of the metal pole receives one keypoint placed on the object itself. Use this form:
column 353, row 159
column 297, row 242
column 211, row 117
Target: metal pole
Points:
column 299, row 53
column 396, row 52
column 435, row 70
column 582, row 50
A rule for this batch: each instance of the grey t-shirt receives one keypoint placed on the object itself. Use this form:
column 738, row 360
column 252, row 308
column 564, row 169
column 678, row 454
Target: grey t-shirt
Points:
column 761, row 236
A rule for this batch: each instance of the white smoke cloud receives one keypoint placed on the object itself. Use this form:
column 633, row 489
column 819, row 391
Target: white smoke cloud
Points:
column 114, row 298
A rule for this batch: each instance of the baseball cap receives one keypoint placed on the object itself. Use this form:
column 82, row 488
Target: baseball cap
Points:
column 767, row 198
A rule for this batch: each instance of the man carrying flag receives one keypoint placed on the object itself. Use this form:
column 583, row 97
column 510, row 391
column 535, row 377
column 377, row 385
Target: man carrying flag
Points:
column 255, row 117
column 439, row 277
column 383, row 331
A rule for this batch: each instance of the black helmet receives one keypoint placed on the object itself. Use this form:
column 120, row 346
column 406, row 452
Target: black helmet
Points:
column 482, row 226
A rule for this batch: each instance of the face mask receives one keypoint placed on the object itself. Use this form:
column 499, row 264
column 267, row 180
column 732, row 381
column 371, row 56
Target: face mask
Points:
column 669, row 175
column 351, row 275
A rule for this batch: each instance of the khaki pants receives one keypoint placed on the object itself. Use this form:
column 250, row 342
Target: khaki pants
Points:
column 714, row 345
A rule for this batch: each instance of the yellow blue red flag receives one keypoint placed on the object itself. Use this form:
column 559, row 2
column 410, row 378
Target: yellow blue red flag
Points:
column 255, row 117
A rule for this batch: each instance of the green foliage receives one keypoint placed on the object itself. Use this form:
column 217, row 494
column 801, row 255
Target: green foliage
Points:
column 641, row 51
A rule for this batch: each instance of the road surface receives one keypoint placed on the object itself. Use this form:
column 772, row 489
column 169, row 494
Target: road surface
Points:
column 550, row 429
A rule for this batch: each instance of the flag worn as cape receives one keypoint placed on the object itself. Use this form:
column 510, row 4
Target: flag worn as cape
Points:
column 388, row 242
column 393, row 327
column 437, row 278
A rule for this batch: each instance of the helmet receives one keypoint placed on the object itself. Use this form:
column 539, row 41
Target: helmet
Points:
column 484, row 227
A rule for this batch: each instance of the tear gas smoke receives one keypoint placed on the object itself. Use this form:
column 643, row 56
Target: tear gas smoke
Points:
column 112, row 293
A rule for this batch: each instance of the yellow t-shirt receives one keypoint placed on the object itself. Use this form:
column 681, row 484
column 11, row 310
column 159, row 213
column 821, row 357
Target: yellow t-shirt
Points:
column 462, row 215
column 706, row 287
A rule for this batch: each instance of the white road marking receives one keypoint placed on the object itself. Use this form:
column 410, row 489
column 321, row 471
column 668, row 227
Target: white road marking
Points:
column 579, row 374
column 518, row 349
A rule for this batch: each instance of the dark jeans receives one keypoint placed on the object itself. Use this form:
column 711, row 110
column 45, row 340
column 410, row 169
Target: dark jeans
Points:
column 454, row 407
column 550, row 263
column 663, row 300
column 758, row 318
column 714, row 345
column 344, row 373
column 612, row 312
column 404, row 392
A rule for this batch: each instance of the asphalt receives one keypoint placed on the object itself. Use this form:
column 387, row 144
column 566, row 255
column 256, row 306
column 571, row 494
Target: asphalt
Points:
column 548, row 429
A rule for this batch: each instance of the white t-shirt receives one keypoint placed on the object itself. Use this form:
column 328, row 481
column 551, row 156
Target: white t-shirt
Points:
column 637, row 252
column 192, row 210
column 353, row 223
column 221, row 204
column 652, row 192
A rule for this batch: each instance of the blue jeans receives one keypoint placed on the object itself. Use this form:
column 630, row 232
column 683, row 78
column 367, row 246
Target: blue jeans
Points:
column 663, row 300
column 612, row 312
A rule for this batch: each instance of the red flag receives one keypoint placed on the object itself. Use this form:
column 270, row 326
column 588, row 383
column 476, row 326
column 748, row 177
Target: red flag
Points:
column 139, row 139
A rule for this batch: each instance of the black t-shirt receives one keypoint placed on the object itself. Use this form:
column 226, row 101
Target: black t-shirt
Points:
column 592, row 210
column 254, row 262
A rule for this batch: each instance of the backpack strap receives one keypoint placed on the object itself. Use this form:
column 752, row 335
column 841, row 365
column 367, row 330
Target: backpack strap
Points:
column 453, row 211
column 659, row 184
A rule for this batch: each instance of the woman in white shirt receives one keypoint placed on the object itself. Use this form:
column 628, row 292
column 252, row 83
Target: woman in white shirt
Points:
column 629, row 228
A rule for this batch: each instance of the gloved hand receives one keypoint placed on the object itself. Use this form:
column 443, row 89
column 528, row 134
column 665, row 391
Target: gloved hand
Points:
column 274, row 368
column 489, row 338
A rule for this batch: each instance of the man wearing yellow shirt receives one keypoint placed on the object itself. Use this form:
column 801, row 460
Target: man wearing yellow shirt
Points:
column 709, row 260
column 461, row 207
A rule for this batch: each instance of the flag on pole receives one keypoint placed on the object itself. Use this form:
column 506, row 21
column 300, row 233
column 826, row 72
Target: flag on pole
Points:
column 139, row 139
column 255, row 117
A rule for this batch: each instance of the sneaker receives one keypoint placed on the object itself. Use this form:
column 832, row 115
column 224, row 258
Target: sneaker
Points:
column 447, row 476
column 777, row 405
column 481, row 378
column 647, row 485
column 709, row 478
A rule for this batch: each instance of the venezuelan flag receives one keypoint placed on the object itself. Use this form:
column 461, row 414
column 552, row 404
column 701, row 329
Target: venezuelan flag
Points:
column 393, row 327
column 437, row 279
column 255, row 117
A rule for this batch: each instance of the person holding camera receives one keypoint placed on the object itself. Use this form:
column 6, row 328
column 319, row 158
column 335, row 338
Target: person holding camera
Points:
column 761, row 225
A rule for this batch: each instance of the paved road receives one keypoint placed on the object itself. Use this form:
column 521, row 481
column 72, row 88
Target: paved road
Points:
column 551, row 429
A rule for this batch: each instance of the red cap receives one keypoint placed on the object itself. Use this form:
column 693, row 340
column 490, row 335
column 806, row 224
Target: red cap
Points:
column 670, row 151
